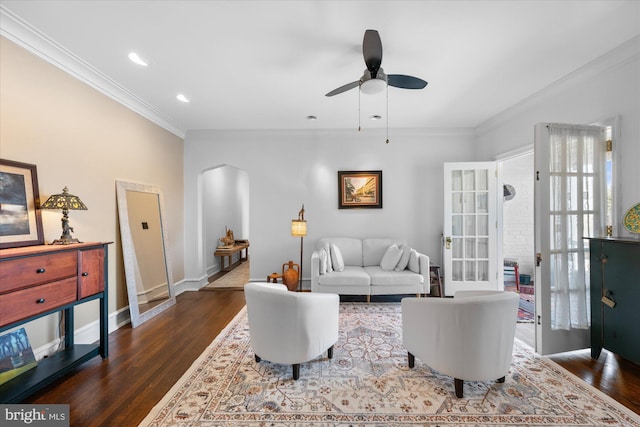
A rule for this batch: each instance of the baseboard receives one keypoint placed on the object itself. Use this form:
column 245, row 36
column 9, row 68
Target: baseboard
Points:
column 188, row 285
column 87, row 334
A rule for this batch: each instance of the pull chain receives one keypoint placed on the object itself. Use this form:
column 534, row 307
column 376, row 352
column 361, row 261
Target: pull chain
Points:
column 359, row 106
column 387, row 114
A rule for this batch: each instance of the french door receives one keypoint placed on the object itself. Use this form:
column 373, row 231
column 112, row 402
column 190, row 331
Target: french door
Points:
column 569, row 204
column 470, row 226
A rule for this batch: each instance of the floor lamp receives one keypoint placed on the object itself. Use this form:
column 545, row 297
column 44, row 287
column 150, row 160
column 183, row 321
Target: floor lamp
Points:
column 299, row 229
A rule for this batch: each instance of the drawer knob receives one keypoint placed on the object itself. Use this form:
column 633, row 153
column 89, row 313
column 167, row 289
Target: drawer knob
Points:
column 85, row 274
column 40, row 270
column 40, row 301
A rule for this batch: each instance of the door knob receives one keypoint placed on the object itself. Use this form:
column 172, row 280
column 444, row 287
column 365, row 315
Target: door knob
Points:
column 447, row 243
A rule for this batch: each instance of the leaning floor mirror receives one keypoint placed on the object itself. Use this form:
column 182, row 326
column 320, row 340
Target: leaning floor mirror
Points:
column 143, row 234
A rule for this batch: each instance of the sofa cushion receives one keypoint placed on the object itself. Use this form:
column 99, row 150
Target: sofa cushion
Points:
column 351, row 249
column 327, row 248
column 323, row 261
column 404, row 259
column 390, row 258
column 351, row 275
column 336, row 258
column 380, row 277
column 414, row 261
column 373, row 249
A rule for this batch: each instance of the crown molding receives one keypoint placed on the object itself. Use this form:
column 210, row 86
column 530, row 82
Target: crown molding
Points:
column 615, row 58
column 20, row 32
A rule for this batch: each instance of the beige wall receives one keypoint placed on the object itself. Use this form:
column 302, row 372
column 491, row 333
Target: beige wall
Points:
column 80, row 138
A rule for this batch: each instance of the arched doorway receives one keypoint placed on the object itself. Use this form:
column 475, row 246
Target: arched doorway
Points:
column 225, row 205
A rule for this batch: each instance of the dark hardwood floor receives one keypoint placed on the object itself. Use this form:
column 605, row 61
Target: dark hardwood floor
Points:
column 145, row 362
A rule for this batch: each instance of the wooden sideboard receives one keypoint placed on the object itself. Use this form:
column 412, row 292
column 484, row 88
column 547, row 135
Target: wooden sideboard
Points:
column 615, row 280
column 36, row 281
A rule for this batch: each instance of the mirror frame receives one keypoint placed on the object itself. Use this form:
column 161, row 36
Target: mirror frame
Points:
column 129, row 255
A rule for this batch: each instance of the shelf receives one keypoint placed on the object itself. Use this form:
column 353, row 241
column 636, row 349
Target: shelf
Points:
column 47, row 371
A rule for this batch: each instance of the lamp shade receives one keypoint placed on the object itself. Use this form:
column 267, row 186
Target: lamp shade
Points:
column 63, row 201
column 66, row 202
column 298, row 227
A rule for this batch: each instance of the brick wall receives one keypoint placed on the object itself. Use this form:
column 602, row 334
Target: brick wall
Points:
column 517, row 237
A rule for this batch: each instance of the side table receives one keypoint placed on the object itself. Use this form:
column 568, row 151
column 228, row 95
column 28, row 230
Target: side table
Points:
column 435, row 270
column 273, row 278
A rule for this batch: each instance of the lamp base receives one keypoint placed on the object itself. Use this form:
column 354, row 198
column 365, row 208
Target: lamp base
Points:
column 65, row 240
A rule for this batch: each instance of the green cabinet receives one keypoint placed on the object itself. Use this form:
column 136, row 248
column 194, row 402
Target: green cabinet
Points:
column 615, row 297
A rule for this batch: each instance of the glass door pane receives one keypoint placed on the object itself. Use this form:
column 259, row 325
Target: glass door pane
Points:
column 471, row 192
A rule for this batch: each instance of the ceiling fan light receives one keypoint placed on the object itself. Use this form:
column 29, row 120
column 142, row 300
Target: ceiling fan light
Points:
column 136, row 59
column 373, row 86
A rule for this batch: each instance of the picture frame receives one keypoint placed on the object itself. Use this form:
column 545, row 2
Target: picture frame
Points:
column 360, row 189
column 16, row 355
column 20, row 219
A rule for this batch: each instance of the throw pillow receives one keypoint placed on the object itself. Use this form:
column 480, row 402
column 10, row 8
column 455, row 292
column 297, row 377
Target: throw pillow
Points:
column 391, row 258
column 414, row 261
column 336, row 258
column 327, row 248
column 323, row 261
column 404, row 259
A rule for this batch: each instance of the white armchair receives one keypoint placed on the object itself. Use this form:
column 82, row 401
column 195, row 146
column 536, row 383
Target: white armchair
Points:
column 290, row 327
column 469, row 337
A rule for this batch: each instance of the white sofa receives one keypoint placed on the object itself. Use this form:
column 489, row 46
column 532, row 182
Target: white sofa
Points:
column 362, row 273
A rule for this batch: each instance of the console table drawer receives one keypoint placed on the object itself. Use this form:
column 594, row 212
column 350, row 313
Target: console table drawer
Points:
column 23, row 272
column 29, row 302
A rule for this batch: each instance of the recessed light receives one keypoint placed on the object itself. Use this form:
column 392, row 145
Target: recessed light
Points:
column 375, row 117
column 312, row 118
column 136, row 59
column 182, row 98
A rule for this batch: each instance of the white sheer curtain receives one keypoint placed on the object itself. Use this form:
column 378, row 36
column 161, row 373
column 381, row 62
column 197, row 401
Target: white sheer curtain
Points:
column 576, row 211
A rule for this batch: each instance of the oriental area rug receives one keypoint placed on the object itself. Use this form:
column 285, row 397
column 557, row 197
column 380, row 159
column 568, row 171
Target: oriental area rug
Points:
column 368, row 383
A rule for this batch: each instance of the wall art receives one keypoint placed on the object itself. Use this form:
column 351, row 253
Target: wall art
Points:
column 359, row 189
column 20, row 220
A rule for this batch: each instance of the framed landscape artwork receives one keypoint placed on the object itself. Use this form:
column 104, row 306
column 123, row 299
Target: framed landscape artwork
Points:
column 20, row 221
column 359, row 189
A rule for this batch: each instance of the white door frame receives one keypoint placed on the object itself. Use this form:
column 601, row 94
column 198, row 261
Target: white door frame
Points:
column 488, row 275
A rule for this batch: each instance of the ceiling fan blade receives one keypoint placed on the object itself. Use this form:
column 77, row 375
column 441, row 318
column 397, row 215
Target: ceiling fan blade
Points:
column 405, row 82
column 344, row 88
column 372, row 50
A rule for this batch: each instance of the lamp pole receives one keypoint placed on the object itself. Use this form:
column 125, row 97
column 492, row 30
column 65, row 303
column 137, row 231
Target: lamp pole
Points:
column 299, row 228
column 300, row 275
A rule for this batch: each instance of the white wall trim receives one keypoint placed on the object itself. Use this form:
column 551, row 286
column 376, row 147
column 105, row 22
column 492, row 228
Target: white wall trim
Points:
column 515, row 153
column 20, row 32
column 617, row 57
column 87, row 334
column 190, row 285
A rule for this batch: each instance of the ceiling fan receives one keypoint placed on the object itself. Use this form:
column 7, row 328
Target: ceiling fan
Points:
column 374, row 79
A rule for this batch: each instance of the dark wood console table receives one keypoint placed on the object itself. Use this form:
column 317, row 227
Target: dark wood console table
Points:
column 36, row 281
column 615, row 297
column 228, row 253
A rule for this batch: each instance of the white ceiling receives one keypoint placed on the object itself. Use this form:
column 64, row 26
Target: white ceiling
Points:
column 268, row 64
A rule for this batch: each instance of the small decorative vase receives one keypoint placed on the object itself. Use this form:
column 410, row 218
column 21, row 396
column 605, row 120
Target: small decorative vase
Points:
column 291, row 275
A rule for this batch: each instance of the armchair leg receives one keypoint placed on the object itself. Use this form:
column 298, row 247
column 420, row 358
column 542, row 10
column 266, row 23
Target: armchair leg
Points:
column 296, row 371
column 412, row 360
column 459, row 387
column 330, row 352
column 500, row 380
column 257, row 358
